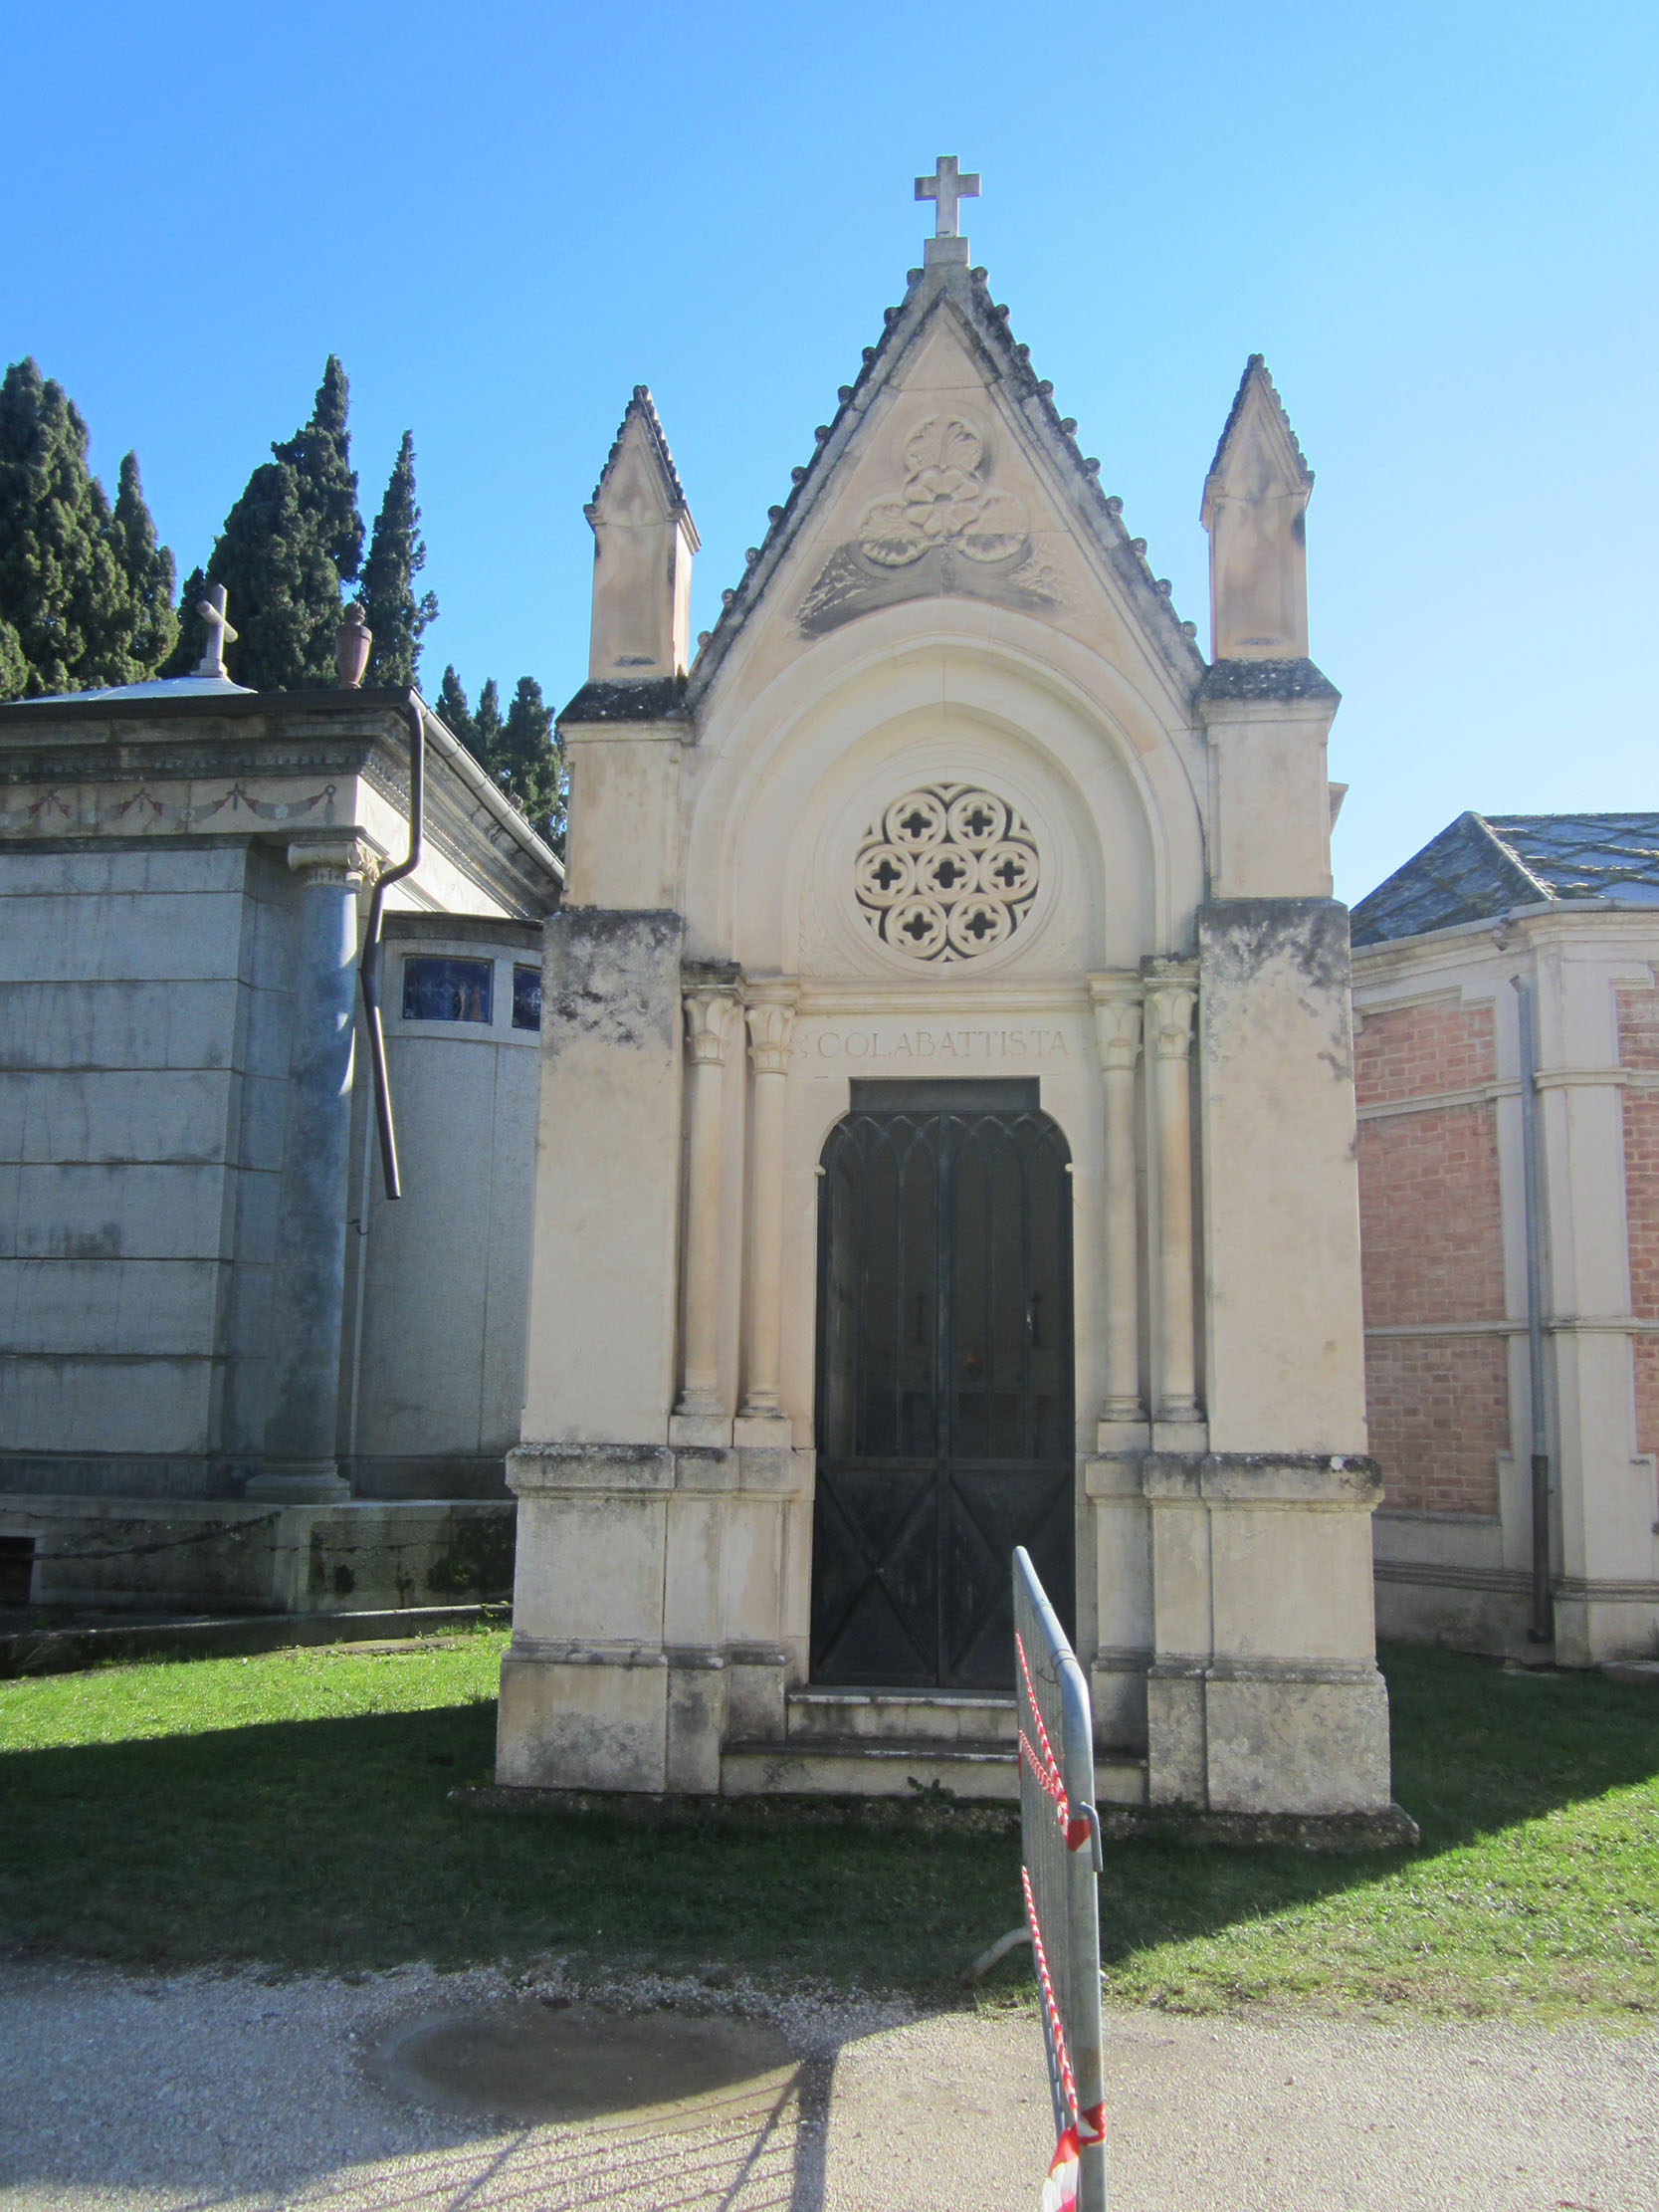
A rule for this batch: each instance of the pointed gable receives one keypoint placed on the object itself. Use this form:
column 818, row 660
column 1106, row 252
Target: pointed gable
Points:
column 1257, row 452
column 639, row 480
column 946, row 470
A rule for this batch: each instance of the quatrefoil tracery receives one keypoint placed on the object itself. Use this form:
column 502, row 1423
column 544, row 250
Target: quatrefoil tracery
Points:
column 948, row 873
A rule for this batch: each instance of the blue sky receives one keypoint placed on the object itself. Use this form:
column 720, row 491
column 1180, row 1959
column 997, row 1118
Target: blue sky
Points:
column 1436, row 221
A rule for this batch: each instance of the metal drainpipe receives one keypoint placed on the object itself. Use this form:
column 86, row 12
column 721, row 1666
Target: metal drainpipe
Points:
column 368, row 967
column 1542, row 1630
column 364, row 1180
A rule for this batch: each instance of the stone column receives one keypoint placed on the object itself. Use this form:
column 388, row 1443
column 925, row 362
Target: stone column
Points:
column 308, row 1277
column 1169, row 1003
column 1118, row 1028
column 710, row 1019
column 770, row 1026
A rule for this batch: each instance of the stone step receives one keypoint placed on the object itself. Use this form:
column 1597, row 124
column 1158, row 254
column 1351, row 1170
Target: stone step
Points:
column 907, row 1716
column 876, row 1766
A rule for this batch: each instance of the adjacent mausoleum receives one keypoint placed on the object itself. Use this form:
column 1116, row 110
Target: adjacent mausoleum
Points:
column 1507, row 1015
column 232, row 1374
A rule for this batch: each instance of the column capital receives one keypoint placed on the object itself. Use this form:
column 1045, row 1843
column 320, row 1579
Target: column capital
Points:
column 771, row 1026
column 1171, row 994
column 1116, row 1003
column 711, row 1016
column 341, row 862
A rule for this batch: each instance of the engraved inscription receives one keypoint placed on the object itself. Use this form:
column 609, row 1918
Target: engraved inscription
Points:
column 950, row 1047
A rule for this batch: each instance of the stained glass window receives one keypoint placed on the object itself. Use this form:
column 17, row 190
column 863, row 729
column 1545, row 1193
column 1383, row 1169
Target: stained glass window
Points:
column 446, row 990
column 526, row 997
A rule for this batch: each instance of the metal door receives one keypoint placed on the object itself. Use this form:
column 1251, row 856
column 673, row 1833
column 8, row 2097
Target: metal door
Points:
column 945, row 1431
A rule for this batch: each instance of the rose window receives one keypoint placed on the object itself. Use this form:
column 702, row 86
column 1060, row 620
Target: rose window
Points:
column 946, row 872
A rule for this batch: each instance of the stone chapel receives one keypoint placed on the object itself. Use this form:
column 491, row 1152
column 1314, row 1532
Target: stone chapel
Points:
column 949, row 1126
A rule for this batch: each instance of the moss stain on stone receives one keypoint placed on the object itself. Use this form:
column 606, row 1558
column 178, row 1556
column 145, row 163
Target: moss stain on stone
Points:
column 478, row 1561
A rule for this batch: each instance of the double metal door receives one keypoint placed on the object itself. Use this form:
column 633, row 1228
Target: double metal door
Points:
column 946, row 1429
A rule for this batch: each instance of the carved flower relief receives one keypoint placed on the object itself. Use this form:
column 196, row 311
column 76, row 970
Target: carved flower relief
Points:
column 948, row 873
column 944, row 501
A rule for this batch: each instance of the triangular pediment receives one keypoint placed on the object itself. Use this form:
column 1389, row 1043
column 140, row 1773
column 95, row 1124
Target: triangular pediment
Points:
column 947, row 471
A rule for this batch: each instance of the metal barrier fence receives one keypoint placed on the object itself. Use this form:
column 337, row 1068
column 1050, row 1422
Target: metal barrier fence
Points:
column 1060, row 1846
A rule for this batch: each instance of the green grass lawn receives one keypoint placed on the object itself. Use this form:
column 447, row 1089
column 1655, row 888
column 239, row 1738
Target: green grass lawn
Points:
column 293, row 1810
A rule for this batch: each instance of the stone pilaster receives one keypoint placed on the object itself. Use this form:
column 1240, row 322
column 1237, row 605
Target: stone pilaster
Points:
column 771, row 1024
column 1117, row 1029
column 712, row 1018
column 309, row 1285
column 1170, row 998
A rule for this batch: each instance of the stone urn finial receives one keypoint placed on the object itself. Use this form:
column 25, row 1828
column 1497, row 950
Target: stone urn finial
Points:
column 351, row 643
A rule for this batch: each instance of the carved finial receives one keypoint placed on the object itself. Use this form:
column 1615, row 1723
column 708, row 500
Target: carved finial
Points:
column 218, row 632
column 351, row 643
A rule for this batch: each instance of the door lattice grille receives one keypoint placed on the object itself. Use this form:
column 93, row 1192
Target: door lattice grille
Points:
column 946, row 1429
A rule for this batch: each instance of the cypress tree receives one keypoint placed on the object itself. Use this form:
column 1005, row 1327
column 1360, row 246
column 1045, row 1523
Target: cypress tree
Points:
column 522, row 754
column 192, row 631
column 14, row 669
column 288, row 543
column 456, row 715
column 148, row 568
column 319, row 454
column 396, row 555
column 83, row 592
column 488, row 722
column 529, row 760
column 279, row 585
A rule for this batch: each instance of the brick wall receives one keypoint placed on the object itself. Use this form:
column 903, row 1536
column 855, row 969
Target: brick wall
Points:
column 1423, row 1050
column 1439, row 1415
column 1638, row 1046
column 1431, row 1243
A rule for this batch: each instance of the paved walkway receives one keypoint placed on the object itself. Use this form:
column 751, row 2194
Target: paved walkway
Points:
column 229, row 2092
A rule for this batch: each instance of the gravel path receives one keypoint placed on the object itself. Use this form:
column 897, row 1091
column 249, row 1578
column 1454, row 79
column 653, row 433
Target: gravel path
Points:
column 227, row 2091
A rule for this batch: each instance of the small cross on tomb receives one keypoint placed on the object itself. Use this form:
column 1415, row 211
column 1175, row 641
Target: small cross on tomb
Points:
column 946, row 187
column 218, row 632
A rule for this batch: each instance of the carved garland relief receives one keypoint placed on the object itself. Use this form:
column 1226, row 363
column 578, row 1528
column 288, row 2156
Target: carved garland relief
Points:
column 946, row 872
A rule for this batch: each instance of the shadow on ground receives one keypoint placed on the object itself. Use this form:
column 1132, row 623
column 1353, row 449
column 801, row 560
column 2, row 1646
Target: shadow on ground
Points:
column 332, row 1843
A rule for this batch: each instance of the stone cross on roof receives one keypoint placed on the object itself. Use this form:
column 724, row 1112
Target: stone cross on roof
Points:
column 946, row 186
column 218, row 632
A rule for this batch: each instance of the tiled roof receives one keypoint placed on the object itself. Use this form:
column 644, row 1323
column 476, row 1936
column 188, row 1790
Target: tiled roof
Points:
column 1484, row 864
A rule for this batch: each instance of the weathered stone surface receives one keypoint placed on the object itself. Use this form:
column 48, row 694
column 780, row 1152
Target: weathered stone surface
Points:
column 1289, row 1746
